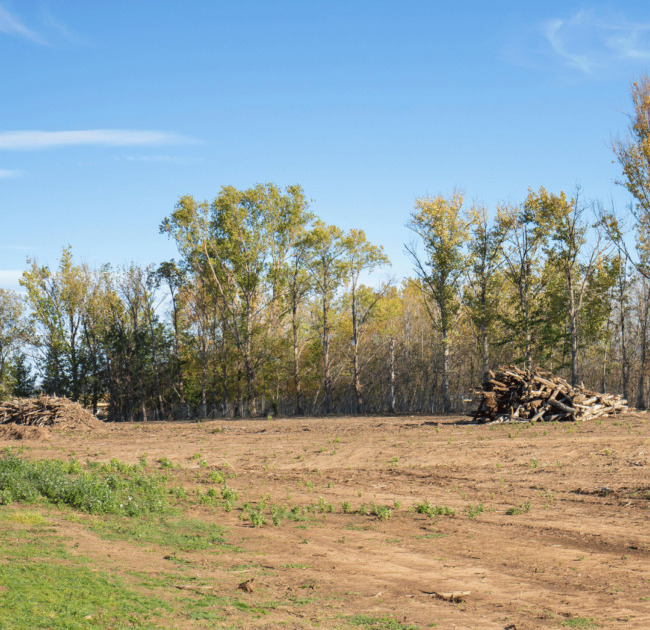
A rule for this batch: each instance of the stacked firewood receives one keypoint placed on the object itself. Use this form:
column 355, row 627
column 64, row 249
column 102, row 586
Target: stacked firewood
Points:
column 47, row 411
column 516, row 394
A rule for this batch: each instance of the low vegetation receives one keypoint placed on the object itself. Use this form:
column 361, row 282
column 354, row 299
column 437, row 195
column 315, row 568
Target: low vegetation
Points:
column 112, row 488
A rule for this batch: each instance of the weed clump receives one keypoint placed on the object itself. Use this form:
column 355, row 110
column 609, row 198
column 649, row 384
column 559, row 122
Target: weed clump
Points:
column 520, row 509
column 382, row 512
column 433, row 510
column 229, row 496
column 474, row 510
column 112, row 488
column 255, row 513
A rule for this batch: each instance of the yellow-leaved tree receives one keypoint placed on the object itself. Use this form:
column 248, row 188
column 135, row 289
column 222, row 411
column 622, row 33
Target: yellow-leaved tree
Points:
column 442, row 229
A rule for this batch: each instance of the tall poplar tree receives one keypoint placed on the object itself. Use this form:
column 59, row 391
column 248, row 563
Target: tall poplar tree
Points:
column 327, row 270
column 482, row 292
column 442, row 229
column 360, row 256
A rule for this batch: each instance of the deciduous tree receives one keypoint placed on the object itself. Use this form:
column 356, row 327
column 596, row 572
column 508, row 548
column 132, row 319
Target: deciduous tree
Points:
column 442, row 228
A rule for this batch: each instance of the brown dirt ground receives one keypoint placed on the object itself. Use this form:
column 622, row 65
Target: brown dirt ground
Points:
column 581, row 551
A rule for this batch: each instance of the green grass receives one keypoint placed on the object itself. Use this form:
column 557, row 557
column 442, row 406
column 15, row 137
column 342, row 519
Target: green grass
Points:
column 581, row 622
column 112, row 488
column 178, row 533
column 43, row 587
column 54, row 596
column 379, row 623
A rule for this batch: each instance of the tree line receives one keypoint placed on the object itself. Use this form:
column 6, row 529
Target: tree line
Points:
column 268, row 310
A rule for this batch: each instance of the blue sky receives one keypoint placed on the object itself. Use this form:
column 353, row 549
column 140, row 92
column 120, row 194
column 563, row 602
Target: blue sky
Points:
column 110, row 111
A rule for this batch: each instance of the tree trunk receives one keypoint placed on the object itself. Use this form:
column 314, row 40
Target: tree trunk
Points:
column 392, row 375
column 156, row 368
column 238, row 397
column 326, row 358
column 358, row 391
column 204, row 383
column 250, row 375
column 446, row 402
column 640, row 394
column 573, row 329
column 296, row 365
column 625, row 368
column 484, row 352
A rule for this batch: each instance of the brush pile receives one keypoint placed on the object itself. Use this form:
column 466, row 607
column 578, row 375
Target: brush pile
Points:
column 516, row 394
column 47, row 411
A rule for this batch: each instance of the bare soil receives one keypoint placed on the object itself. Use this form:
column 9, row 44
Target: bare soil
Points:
column 563, row 538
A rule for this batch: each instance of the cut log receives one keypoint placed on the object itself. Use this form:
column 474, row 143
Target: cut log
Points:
column 513, row 393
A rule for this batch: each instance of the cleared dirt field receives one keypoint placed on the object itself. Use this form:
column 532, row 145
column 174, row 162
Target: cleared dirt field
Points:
column 550, row 526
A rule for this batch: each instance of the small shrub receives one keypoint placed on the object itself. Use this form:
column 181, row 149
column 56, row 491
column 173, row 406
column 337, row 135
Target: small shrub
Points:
column 229, row 496
column 217, row 476
column 208, row 498
column 255, row 513
column 382, row 512
column 433, row 510
column 278, row 513
column 297, row 513
column 520, row 509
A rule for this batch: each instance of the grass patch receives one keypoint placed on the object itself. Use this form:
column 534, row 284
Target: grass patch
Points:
column 581, row 622
column 379, row 623
column 183, row 534
column 42, row 587
column 112, row 488
column 26, row 518
column 211, row 607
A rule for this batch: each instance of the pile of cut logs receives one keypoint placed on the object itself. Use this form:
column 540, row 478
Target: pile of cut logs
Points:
column 47, row 411
column 516, row 394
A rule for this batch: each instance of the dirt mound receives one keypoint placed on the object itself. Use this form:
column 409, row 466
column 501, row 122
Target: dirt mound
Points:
column 45, row 412
column 23, row 432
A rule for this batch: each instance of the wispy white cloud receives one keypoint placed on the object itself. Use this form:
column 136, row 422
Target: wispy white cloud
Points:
column 26, row 140
column 8, row 173
column 553, row 31
column 11, row 25
column 588, row 41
